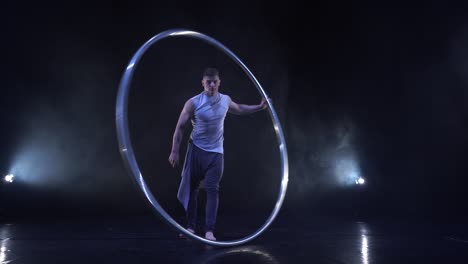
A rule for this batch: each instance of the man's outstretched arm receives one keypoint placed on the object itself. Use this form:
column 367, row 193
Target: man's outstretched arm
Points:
column 242, row 109
column 184, row 117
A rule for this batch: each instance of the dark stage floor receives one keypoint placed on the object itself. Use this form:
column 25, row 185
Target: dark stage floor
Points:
column 307, row 240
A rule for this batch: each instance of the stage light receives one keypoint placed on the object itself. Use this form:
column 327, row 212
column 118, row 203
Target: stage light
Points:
column 9, row 178
column 360, row 181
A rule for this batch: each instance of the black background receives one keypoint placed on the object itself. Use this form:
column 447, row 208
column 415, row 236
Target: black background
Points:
column 384, row 84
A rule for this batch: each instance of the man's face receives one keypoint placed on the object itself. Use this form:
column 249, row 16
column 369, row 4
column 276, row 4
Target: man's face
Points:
column 211, row 84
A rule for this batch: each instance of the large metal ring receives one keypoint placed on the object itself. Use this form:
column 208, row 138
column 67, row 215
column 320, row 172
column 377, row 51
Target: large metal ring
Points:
column 128, row 156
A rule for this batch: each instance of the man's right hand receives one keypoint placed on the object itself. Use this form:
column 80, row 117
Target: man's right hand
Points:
column 174, row 159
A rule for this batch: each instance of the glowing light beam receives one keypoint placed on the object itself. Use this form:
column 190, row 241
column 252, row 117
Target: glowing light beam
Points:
column 9, row 178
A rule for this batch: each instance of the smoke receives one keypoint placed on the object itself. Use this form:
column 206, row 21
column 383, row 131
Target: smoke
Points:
column 323, row 153
column 67, row 140
column 61, row 152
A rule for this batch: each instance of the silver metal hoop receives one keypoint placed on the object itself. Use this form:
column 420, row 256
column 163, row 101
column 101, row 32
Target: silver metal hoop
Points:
column 128, row 156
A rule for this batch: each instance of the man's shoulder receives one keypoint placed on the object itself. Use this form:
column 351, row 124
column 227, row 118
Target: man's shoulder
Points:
column 195, row 97
column 194, row 100
column 225, row 96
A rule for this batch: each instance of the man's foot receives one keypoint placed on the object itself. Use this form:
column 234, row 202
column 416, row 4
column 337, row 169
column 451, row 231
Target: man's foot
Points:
column 209, row 235
column 188, row 229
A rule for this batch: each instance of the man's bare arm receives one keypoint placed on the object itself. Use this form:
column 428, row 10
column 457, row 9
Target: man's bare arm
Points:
column 184, row 117
column 243, row 109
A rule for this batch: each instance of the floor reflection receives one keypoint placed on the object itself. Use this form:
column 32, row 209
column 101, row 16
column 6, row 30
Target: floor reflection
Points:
column 4, row 247
column 364, row 242
column 243, row 254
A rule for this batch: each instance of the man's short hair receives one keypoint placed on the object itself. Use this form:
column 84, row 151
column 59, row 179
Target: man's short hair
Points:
column 210, row 72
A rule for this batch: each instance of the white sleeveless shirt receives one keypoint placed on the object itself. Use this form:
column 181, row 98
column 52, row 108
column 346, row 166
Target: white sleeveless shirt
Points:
column 208, row 121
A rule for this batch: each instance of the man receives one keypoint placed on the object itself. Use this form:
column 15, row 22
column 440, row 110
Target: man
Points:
column 204, row 161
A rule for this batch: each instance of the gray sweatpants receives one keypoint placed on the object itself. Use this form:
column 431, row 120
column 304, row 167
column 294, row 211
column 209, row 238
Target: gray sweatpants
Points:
column 202, row 169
